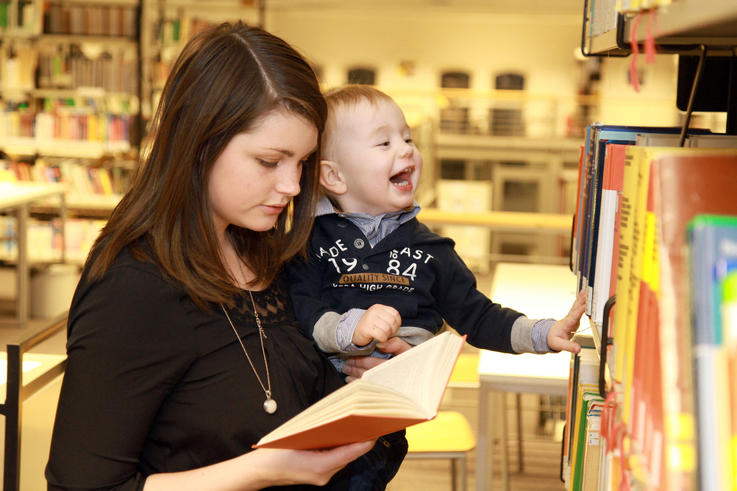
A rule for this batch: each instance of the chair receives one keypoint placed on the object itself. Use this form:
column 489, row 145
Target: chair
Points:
column 448, row 436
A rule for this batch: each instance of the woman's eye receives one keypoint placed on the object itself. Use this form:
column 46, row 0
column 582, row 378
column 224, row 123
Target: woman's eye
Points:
column 267, row 163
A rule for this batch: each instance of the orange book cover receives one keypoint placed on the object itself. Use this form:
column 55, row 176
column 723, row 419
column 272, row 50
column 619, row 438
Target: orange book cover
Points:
column 349, row 429
column 608, row 247
column 687, row 183
column 402, row 391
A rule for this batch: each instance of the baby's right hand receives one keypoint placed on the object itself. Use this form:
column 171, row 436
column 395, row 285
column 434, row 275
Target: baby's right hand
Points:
column 380, row 322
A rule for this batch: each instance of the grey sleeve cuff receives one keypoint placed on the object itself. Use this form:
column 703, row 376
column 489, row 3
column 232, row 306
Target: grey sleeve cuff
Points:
column 531, row 335
column 324, row 332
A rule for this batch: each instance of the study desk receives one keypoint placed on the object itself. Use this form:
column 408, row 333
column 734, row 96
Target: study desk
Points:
column 19, row 196
column 539, row 291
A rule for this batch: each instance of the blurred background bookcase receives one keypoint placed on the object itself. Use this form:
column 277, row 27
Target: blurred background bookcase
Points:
column 78, row 83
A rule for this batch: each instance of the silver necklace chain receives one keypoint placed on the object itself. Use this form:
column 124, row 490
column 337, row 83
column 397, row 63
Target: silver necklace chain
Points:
column 269, row 404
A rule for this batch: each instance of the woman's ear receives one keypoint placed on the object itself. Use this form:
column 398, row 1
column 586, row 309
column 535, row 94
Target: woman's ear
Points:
column 331, row 178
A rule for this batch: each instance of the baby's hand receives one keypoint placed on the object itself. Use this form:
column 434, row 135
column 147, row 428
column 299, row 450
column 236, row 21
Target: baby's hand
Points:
column 380, row 322
column 559, row 336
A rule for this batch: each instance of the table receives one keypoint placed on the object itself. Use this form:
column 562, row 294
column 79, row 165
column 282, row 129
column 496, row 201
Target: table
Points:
column 539, row 291
column 19, row 196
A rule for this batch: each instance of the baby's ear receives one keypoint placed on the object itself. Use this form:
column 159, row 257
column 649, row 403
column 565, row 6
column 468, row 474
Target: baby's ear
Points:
column 331, row 178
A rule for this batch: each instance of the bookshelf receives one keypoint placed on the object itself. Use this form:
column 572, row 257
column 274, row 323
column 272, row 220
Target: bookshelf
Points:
column 166, row 26
column 525, row 174
column 666, row 437
column 17, row 198
column 71, row 99
column 69, row 85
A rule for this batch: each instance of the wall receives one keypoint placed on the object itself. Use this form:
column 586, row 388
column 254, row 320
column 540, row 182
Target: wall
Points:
column 484, row 44
column 539, row 46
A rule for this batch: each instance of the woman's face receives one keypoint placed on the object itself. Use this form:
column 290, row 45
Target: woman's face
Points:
column 258, row 172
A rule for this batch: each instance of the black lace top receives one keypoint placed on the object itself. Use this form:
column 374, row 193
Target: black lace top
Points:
column 153, row 384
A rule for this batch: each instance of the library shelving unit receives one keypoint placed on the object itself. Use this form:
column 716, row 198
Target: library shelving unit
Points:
column 70, row 97
column 703, row 33
column 166, row 25
column 18, row 197
column 69, row 89
column 526, row 172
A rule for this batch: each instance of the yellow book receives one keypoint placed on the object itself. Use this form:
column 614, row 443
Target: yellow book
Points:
column 641, row 160
column 624, row 261
column 105, row 182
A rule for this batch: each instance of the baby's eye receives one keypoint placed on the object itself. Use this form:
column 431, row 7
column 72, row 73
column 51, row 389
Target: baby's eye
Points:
column 383, row 144
column 409, row 140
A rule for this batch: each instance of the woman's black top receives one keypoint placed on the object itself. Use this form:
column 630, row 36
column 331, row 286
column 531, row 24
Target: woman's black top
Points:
column 153, row 384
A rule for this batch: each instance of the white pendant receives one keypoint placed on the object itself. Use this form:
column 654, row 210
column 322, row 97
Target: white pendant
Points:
column 270, row 405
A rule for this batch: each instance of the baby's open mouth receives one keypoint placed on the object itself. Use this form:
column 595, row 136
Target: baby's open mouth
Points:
column 402, row 179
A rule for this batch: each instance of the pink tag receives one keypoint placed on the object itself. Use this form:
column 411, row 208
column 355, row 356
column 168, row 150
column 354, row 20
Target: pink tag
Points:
column 649, row 38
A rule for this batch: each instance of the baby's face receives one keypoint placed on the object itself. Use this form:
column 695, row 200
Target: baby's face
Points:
column 377, row 157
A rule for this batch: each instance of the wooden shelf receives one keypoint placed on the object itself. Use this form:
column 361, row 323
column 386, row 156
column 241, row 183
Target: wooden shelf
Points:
column 489, row 147
column 57, row 39
column 62, row 148
column 499, row 220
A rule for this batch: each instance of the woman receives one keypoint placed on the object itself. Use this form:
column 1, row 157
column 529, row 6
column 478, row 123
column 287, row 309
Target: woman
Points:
column 182, row 346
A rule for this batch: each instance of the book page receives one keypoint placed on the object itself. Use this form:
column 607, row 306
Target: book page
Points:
column 422, row 372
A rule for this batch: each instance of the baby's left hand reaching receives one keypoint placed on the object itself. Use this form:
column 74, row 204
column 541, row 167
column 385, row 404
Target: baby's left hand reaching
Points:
column 559, row 336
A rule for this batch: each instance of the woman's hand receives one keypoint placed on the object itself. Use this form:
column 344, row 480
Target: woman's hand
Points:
column 356, row 365
column 310, row 466
column 559, row 336
column 263, row 468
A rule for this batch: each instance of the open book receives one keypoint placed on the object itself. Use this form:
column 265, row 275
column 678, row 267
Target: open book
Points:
column 400, row 392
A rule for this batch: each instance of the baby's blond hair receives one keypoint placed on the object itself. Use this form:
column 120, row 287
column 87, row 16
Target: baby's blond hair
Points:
column 344, row 97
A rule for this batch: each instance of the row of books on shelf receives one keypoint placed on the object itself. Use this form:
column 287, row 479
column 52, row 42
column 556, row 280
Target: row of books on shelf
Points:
column 69, row 68
column 18, row 16
column 93, row 19
column 171, row 33
column 179, row 29
column 66, row 123
column 656, row 228
column 81, row 177
column 583, row 452
column 45, row 239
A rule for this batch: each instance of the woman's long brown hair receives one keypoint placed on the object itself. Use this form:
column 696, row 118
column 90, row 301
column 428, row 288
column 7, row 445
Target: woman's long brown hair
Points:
column 225, row 79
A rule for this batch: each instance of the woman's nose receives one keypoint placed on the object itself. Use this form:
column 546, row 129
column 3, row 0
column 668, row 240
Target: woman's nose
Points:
column 288, row 183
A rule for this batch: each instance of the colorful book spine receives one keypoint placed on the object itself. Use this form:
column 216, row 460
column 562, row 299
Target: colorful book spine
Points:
column 713, row 244
column 728, row 311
